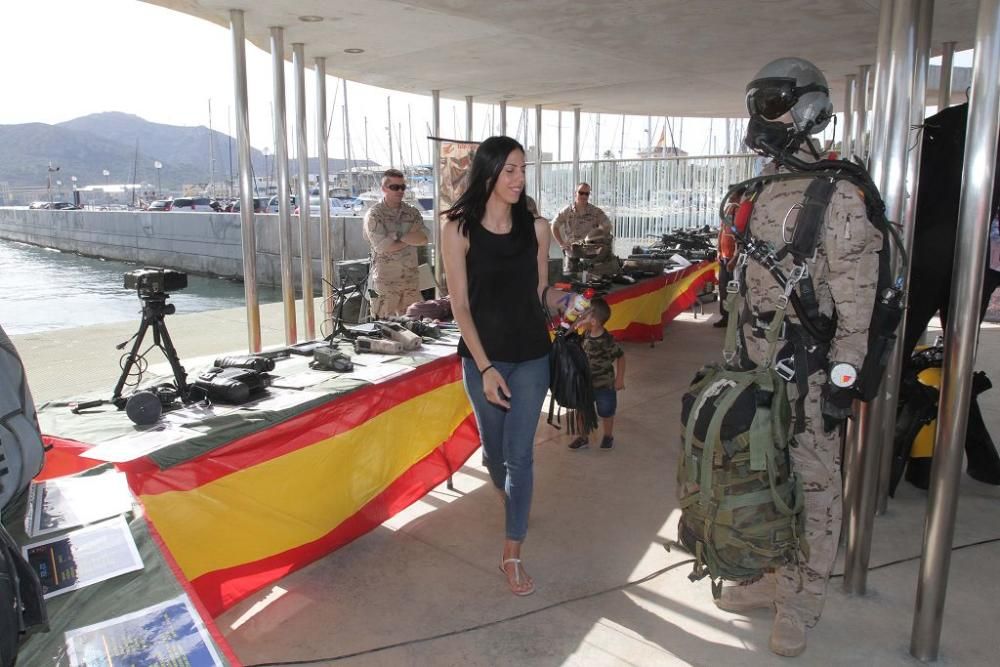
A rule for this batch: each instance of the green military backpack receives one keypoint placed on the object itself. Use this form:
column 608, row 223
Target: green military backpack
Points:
column 741, row 503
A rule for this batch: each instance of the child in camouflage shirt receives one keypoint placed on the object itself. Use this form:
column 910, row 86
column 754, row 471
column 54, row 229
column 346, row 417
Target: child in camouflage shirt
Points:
column 607, row 370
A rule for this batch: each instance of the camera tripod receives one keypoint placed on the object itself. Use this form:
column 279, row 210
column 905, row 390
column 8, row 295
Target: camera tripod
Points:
column 154, row 309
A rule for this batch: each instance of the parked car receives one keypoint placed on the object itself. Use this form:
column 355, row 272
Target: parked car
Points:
column 259, row 205
column 194, row 204
column 54, row 206
column 338, row 206
column 272, row 204
column 160, row 205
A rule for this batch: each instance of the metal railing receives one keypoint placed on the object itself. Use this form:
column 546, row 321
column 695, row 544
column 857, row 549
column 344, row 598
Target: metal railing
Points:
column 646, row 197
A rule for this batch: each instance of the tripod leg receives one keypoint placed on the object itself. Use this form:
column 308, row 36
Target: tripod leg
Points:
column 180, row 375
column 133, row 355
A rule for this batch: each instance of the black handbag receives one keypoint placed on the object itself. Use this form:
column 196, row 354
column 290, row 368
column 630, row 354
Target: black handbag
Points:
column 570, row 384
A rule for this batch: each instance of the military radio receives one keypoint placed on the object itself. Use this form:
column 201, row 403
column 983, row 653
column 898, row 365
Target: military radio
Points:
column 377, row 346
column 400, row 334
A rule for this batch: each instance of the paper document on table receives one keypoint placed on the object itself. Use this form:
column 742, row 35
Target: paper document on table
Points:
column 168, row 633
column 282, row 399
column 196, row 412
column 380, row 372
column 436, row 350
column 135, row 445
column 67, row 502
column 680, row 261
column 83, row 557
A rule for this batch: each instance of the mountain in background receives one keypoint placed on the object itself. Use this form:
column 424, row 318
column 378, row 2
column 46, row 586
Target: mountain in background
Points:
column 84, row 147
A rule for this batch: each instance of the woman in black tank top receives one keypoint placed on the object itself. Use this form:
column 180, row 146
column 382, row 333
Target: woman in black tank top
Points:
column 496, row 259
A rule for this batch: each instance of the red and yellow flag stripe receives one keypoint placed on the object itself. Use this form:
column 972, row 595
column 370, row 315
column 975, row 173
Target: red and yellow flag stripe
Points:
column 638, row 313
column 267, row 504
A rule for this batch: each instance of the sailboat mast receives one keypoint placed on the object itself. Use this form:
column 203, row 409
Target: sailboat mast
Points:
column 409, row 120
column 135, row 168
column 211, row 152
column 388, row 108
column 347, row 151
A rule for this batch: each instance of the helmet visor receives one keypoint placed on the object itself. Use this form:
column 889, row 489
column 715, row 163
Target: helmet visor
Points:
column 771, row 97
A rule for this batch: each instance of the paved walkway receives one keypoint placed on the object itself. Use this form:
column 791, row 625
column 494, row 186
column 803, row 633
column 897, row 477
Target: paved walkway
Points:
column 424, row 589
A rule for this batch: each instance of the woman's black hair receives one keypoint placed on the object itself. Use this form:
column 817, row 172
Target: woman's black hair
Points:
column 489, row 161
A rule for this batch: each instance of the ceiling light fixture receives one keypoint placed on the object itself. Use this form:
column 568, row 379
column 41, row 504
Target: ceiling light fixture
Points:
column 310, row 18
column 354, row 50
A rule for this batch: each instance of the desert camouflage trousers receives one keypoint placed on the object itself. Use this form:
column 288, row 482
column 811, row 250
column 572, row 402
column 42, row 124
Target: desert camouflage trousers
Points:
column 395, row 287
column 816, row 460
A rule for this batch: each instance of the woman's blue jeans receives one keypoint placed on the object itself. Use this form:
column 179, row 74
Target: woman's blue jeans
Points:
column 508, row 436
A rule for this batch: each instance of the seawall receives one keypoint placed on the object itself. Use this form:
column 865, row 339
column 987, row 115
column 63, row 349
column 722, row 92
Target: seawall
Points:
column 205, row 243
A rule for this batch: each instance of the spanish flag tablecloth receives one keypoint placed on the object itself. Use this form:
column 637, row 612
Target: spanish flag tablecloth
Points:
column 247, row 512
column 639, row 312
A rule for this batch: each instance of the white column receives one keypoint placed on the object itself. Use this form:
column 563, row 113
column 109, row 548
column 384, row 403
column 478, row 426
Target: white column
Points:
column 302, row 147
column 847, row 148
column 861, row 121
column 576, row 146
column 917, row 112
column 944, row 86
column 538, row 156
column 286, row 244
column 960, row 335
column 325, row 232
column 503, row 118
column 436, row 166
column 248, row 235
column 889, row 171
column 468, row 117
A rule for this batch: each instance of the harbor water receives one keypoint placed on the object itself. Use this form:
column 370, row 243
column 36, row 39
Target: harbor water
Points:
column 42, row 289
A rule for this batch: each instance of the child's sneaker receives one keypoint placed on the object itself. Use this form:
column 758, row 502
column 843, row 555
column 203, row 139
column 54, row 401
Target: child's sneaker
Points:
column 607, row 442
column 579, row 443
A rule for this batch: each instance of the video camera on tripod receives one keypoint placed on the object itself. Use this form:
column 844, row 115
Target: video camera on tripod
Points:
column 150, row 282
column 152, row 285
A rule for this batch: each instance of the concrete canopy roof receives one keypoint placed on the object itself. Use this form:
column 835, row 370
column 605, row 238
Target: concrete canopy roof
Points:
column 660, row 57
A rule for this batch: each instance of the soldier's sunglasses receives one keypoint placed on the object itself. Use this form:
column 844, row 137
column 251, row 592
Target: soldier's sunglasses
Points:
column 396, row 187
column 774, row 96
column 583, row 193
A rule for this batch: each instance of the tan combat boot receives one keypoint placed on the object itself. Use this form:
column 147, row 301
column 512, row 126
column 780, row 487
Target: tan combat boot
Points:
column 743, row 597
column 788, row 634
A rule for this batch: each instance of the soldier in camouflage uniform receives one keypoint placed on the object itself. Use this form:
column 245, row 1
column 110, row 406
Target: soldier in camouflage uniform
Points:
column 607, row 370
column 394, row 229
column 844, row 274
column 580, row 220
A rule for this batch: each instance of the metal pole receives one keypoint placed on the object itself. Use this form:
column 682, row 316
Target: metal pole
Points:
column 944, row 82
column 898, row 77
column 925, row 12
column 576, row 146
column 302, row 147
column 880, row 90
column 503, row 118
column 248, row 234
column 286, row 244
column 325, row 231
column 538, row 157
column 961, row 334
column 597, row 142
column 847, row 143
column 436, row 166
column 468, row 117
column 347, row 142
column 852, row 461
column 388, row 109
column 559, row 139
column 409, row 133
column 861, row 120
